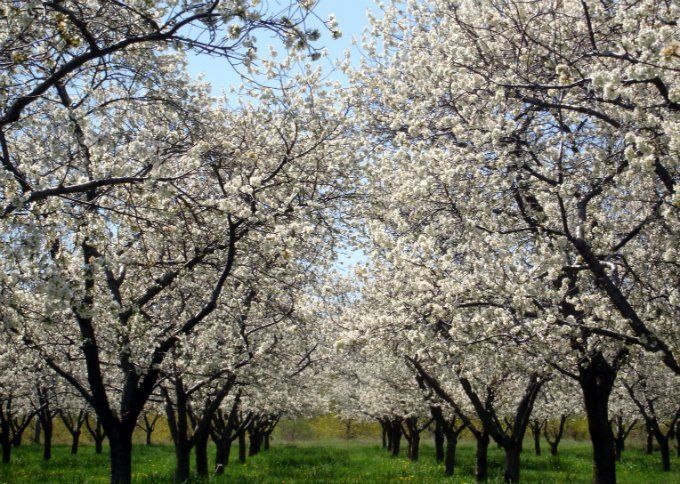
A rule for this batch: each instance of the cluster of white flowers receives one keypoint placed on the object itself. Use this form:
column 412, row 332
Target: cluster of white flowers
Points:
column 157, row 240
column 521, row 202
column 509, row 169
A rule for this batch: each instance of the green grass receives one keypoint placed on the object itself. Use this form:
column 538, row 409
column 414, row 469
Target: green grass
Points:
column 332, row 461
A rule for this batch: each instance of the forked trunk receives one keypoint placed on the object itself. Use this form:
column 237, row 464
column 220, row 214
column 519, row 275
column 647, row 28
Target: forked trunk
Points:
column 649, row 448
column 75, row 439
column 557, row 436
column 17, row 439
column 97, row 433
column 618, row 447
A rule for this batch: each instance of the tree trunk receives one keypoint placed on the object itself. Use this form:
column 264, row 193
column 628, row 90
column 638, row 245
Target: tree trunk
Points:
column 202, row 455
column 149, row 427
column 622, row 431
column 5, row 440
column 36, row 431
column 396, row 443
column 96, row 432
column 47, row 433
column 183, row 463
column 414, row 446
column 512, row 463
column 649, row 448
column 557, row 435
column 536, row 433
column 6, row 450
column 384, row 437
column 267, row 438
column 438, row 441
column 390, row 437
column 251, row 444
column 396, row 438
column 121, row 459
column 596, row 379
column 16, row 440
column 618, row 447
column 222, row 455
column 482, row 456
column 242, row 447
column 603, row 444
column 75, row 439
column 665, row 453
column 450, row 459
column 255, row 442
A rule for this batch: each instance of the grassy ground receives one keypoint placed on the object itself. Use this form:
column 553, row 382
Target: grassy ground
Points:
column 332, row 461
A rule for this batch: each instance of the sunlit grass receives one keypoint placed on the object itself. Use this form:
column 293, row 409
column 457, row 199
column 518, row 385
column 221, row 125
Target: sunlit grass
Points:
column 332, row 461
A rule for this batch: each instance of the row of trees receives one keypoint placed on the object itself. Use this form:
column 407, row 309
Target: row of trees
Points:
column 246, row 415
column 510, row 166
column 159, row 244
column 521, row 219
column 501, row 395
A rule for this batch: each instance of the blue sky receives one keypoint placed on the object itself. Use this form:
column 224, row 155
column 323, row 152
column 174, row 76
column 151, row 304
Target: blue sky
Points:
column 351, row 15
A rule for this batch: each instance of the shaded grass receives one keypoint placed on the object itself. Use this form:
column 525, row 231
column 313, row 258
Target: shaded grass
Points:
column 332, row 461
